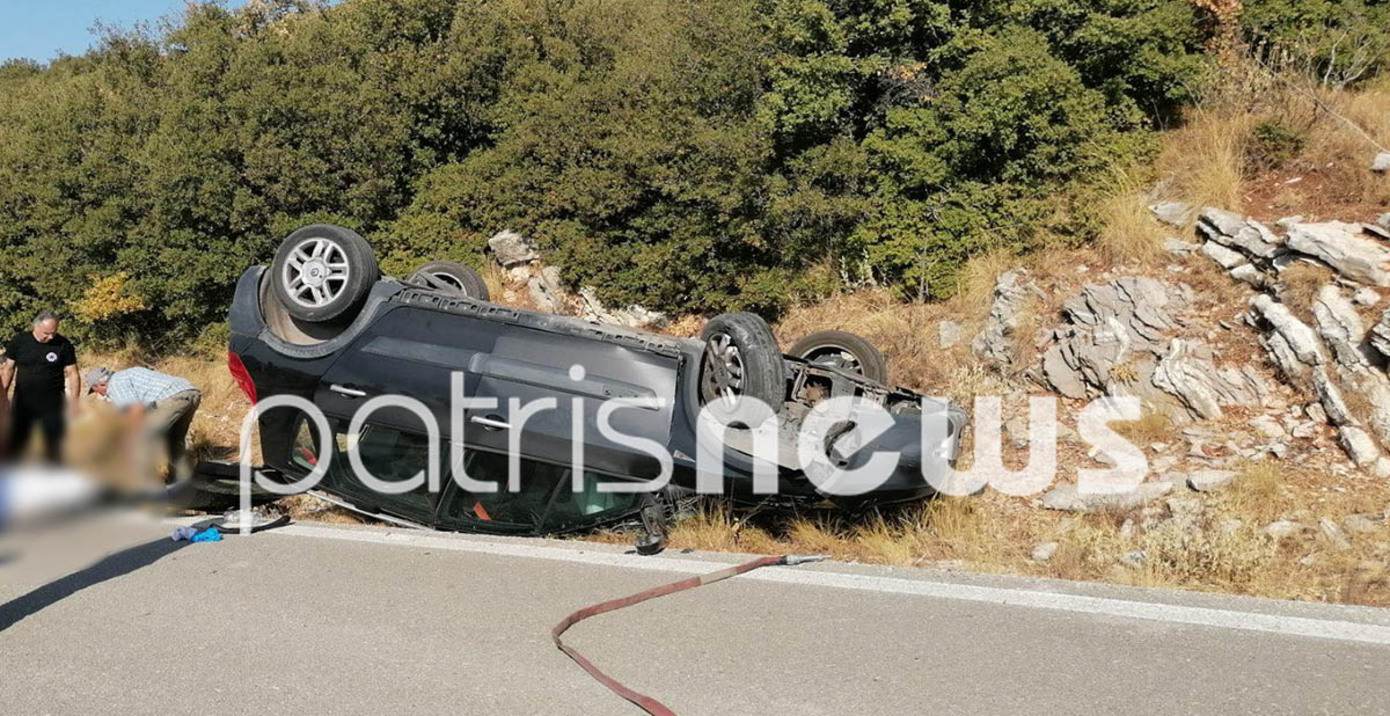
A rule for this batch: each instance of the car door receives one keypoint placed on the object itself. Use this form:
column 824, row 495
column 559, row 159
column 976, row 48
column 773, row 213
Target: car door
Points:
column 580, row 373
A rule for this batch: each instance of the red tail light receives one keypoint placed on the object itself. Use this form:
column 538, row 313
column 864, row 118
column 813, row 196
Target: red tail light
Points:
column 241, row 376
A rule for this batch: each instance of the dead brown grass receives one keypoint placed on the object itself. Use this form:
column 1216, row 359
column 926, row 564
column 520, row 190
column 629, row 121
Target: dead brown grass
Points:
column 1129, row 235
column 1299, row 285
column 1205, row 157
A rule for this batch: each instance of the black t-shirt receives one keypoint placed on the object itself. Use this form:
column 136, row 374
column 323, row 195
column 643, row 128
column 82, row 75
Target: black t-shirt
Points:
column 39, row 369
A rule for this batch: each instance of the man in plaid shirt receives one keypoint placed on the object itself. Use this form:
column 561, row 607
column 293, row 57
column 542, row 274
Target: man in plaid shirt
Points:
column 163, row 405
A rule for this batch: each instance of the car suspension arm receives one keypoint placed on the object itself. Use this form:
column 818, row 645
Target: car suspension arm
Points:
column 647, row 703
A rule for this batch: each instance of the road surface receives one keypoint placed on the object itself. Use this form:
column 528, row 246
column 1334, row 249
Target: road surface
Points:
column 110, row 617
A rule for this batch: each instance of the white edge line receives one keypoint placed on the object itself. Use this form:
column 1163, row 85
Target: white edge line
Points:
column 1171, row 613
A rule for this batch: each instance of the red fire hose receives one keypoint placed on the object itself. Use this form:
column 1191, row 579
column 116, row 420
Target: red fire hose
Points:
column 647, row 703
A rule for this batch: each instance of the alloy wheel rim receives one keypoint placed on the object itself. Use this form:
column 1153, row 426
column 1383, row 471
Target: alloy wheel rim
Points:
column 316, row 272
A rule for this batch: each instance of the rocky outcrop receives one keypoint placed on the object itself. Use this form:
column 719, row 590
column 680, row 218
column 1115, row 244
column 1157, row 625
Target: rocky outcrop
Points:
column 547, row 292
column 512, row 249
column 1193, row 379
column 1121, row 338
column 1381, row 163
column 994, row 343
column 1234, row 231
column 1292, row 343
column 1173, row 213
column 1345, row 248
column 592, row 309
column 1341, row 328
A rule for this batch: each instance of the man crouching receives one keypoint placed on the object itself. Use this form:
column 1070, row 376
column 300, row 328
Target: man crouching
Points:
column 160, row 406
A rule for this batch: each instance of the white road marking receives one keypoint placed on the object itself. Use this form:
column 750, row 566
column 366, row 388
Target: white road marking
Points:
column 1151, row 611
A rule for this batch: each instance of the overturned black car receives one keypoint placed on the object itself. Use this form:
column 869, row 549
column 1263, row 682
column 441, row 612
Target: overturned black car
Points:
column 323, row 324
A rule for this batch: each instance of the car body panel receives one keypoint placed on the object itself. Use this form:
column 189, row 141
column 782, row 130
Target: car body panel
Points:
column 411, row 342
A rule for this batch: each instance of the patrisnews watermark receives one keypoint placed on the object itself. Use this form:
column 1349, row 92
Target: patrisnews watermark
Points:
column 826, row 438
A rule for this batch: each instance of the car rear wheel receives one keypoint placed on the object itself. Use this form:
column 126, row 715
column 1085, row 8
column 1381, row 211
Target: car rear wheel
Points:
column 741, row 360
column 451, row 278
column 323, row 272
column 843, row 350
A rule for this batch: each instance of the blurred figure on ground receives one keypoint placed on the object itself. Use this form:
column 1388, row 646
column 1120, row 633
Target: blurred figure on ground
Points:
column 161, row 409
column 39, row 362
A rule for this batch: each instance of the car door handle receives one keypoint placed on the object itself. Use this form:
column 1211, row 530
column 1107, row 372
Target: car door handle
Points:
column 349, row 392
column 490, row 422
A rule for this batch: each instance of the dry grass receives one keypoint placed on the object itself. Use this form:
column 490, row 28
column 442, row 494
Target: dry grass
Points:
column 1215, row 543
column 1206, row 157
column 1129, row 235
column 1299, row 285
column 1149, row 428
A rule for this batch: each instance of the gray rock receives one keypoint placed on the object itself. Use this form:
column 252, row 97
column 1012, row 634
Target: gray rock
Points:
column 1331, row 398
column 1177, row 247
column 1249, row 275
column 1316, row 413
column 1282, row 529
column 1227, row 258
column 1234, row 231
column 1044, row 551
column 1359, row 445
column 1363, row 524
column 547, row 292
column 1062, row 376
column 1341, row 327
column 511, row 248
column 1209, row 480
column 1226, row 223
column 1379, row 336
column 1333, row 534
column 1173, row 213
column 1188, row 381
column 1066, row 497
column 1383, row 220
column 1365, row 297
column 592, row 309
column 994, row 343
column 1381, row 163
column 949, row 333
column 1342, row 247
column 1125, row 324
column 1268, row 426
column 1305, row 431
column 1377, row 230
column 1300, row 339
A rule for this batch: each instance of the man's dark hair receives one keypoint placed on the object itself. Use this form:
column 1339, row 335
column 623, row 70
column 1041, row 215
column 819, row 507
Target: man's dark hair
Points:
column 45, row 315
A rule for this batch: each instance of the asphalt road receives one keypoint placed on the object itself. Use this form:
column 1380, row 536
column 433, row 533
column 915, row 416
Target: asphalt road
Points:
column 110, row 617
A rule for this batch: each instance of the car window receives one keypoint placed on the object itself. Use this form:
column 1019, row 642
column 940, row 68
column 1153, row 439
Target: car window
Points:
column 589, row 505
column 390, row 455
column 523, row 508
column 304, row 452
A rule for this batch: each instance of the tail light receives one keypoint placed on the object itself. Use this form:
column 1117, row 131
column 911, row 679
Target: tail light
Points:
column 241, row 376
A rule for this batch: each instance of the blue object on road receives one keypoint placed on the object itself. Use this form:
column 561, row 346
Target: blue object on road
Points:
column 208, row 535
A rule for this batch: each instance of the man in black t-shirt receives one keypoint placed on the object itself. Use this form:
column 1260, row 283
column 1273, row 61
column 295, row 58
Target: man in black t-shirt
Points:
column 39, row 363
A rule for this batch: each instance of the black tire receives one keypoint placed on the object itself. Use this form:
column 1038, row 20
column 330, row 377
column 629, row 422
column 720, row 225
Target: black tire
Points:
column 323, row 272
column 451, row 278
column 845, row 351
column 752, row 369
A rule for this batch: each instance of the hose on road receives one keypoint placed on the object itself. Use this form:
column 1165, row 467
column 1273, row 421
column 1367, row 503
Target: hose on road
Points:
column 647, row 703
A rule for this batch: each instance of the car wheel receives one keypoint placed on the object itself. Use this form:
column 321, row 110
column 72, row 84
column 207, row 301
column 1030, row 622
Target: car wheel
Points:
column 845, row 351
column 741, row 360
column 323, row 272
column 451, row 278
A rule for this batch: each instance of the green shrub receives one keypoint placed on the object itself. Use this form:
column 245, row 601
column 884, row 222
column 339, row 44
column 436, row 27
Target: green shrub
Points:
column 1273, row 144
column 710, row 156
